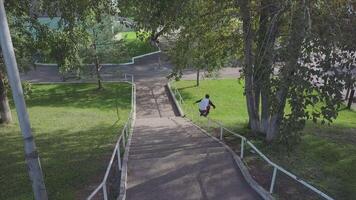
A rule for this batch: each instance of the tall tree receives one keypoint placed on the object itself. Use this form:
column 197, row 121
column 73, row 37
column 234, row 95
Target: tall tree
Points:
column 25, row 33
column 103, row 43
column 205, row 39
column 294, row 64
column 291, row 52
column 154, row 17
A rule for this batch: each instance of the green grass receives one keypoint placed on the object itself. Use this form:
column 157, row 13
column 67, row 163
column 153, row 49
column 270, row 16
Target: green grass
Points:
column 326, row 156
column 75, row 128
column 135, row 46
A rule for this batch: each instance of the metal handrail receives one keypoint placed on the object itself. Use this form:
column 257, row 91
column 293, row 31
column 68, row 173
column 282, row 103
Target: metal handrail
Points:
column 244, row 141
column 125, row 132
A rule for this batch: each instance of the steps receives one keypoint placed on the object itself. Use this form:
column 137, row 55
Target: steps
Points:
column 171, row 159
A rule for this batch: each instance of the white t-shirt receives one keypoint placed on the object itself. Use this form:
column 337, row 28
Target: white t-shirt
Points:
column 204, row 104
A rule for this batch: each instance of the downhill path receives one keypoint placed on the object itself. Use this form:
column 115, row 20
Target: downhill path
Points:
column 171, row 159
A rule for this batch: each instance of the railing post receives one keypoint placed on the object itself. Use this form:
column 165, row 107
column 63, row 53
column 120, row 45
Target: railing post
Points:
column 221, row 132
column 273, row 180
column 105, row 192
column 125, row 77
column 208, row 123
column 242, row 148
column 123, row 140
column 119, row 157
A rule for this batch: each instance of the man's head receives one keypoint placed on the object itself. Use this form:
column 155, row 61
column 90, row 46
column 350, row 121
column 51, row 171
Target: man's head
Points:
column 207, row 96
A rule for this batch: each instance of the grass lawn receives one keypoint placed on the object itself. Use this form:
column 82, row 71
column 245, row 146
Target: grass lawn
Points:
column 326, row 156
column 75, row 128
column 135, row 46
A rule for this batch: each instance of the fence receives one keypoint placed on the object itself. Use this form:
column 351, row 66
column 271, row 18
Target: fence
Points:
column 246, row 143
column 110, row 185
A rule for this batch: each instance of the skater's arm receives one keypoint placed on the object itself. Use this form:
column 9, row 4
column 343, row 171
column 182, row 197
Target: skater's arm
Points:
column 211, row 103
column 198, row 101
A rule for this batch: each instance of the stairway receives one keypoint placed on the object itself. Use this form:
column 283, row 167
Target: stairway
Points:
column 171, row 159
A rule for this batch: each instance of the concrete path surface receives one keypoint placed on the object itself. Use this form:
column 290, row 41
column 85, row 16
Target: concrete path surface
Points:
column 170, row 159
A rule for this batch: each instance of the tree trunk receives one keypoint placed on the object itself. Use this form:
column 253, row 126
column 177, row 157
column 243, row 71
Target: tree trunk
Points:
column 248, row 66
column 298, row 30
column 198, row 77
column 347, row 93
column 97, row 63
column 97, row 70
column 5, row 112
column 265, row 114
column 351, row 99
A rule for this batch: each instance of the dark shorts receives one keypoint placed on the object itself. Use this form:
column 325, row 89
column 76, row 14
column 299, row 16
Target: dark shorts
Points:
column 204, row 112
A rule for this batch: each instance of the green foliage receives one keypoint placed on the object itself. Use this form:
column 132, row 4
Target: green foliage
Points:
column 26, row 87
column 206, row 38
column 155, row 17
column 75, row 127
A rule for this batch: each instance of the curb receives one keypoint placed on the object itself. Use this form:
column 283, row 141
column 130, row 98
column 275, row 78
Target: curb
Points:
column 124, row 169
column 181, row 113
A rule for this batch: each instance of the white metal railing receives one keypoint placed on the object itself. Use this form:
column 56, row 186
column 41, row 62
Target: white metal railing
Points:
column 106, row 64
column 121, row 142
column 140, row 56
column 245, row 141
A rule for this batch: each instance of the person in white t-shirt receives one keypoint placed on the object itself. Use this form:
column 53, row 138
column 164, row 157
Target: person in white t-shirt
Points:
column 204, row 105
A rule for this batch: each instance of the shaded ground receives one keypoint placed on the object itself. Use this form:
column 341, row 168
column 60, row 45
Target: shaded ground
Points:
column 75, row 128
column 171, row 159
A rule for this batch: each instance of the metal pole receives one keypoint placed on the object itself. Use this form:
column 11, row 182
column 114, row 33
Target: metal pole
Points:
column 273, row 180
column 208, row 123
column 119, row 156
column 123, row 139
column 221, row 132
column 242, row 147
column 31, row 154
column 105, row 192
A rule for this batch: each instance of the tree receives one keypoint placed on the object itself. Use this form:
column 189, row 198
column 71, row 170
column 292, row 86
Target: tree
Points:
column 300, row 68
column 5, row 112
column 293, row 67
column 202, row 41
column 25, row 33
column 26, row 27
column 102, row 43
column 154, row 17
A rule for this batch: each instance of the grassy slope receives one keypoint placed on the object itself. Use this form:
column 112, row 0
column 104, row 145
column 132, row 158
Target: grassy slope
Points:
column 326, row 156
column 75, row 130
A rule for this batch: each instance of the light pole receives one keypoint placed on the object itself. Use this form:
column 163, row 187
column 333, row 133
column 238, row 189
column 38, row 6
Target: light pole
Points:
column 31, row 155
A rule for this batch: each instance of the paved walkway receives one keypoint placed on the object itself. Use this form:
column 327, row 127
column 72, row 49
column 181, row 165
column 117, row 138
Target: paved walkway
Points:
column 171, row 159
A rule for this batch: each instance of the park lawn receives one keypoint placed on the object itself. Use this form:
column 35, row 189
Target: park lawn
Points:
column 135, row 46
column 326, row 156
column 75, row 127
